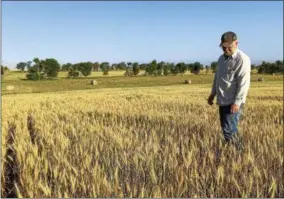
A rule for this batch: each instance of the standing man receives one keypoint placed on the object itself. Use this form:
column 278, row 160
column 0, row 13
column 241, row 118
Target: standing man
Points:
column 231, row 84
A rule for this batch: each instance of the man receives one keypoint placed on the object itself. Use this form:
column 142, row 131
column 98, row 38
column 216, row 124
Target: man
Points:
column 231, row 84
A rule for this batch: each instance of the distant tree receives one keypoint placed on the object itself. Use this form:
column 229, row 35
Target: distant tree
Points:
column 28, row 64
column 2, row 70
column 121, row 66
column 65, row 67
column 196, row 68
column 51, row 67
column 21, row 66
column 214, row 66
column 207, row 69
column 181, row 67
column 73, row 72
column 253, row 66
column 35, row 72
column 47, row 68
column 84, row 68
column 104, row 67
column 129, row 64
column 152, row 68
column 174, row 69
column 167, row 69
column 135, row 68
column 160, row 68
column 96, row 66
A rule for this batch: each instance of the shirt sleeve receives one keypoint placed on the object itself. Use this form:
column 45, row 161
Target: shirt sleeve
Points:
column 243, row 80
column 213, row 90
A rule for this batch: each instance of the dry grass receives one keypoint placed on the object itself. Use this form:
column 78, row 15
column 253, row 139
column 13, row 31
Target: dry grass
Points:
column 140, row 142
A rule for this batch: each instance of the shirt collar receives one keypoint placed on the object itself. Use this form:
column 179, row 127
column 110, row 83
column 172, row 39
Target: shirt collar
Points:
column 233, row 56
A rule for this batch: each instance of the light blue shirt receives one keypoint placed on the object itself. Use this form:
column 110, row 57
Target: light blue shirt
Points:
column 232, row 79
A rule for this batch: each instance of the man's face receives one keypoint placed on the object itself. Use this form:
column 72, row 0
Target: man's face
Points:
column 229, row 49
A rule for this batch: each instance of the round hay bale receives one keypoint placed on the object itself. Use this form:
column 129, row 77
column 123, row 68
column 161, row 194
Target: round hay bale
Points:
column 273, row 74
column 94, row 82
column 10, row 87
column 260, row 79
column 187, row 81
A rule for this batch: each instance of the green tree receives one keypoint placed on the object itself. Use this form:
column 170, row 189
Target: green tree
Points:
column 21, row 66
column 174, row 69
column 65, row 67
column 104, row 67
column 121, row 66
column 181, row 67
column 213, row 66
column 196, row 68
column 85, row 68
column 135, row 68
column 160, row 68
column 167, row 69
column 28, row 64
column 152, row 68
column 96, row 66
column 51, row 67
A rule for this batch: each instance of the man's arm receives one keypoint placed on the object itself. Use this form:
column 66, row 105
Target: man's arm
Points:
column 243, row 80
column 213, row 89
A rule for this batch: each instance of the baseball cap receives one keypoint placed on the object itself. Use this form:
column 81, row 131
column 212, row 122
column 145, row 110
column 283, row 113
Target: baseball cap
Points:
column 228, row 38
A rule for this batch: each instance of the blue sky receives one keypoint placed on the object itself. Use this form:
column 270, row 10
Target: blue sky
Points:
column 140, row 31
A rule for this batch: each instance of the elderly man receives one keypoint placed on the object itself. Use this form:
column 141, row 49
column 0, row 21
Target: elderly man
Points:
column 231, row 84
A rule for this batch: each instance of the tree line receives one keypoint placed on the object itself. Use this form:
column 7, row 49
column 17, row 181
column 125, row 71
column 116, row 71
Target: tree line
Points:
column 49, row 68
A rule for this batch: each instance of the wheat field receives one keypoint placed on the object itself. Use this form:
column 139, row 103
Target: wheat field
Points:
column 139, row 142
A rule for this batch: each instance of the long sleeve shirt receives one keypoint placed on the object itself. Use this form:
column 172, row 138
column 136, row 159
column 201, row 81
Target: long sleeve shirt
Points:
column 232, row 79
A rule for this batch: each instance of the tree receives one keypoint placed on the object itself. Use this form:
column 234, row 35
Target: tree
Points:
column 121, row 66
column 65, row 67
column 105, row 67
column 214, row 66
column 21, row 66
column 207, row 69
column 196, row 68
column 96, row 66
column 135, row 68
column 160, row 68
column 152, row 68
column 28, row 64
column 84, row 68
column 167, row 69
column 181, row 67
column 73, row 72
column 35, row 72
column 129, row 64
column 47, row 68
column 173, row 69
column 51, row 67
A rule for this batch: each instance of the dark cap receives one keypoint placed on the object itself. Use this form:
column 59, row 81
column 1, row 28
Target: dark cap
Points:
column 227, row 38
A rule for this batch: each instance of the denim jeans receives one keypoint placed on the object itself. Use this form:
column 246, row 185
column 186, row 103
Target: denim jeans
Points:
column 229, row 122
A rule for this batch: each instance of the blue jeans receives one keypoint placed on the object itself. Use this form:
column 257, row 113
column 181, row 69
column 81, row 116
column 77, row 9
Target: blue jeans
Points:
column 229, row 122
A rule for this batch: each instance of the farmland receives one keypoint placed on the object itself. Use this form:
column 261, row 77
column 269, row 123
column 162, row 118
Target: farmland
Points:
column 137, row 137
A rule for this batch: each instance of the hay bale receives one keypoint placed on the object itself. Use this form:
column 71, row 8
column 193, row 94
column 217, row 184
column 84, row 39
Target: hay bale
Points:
column 10, row 87
column 187, row 81
column 260, row 79
column 273, row 74
column 94, row 82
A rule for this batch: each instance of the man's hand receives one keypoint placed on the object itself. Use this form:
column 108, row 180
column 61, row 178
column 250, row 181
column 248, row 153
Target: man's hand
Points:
column 210, row 99
column 235, row 108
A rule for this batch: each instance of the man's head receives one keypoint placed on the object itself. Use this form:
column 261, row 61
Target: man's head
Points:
column 229, row 43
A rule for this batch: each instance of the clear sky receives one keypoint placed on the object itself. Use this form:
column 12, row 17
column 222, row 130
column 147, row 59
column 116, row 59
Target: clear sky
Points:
column 139, row 31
